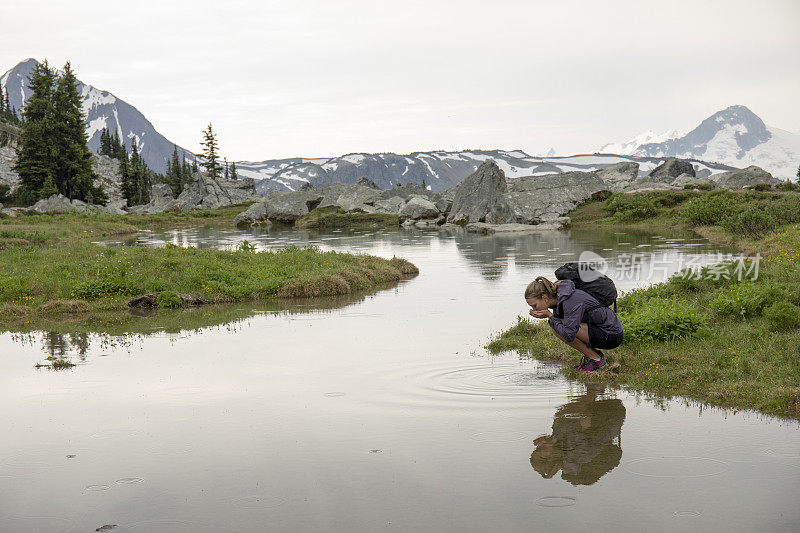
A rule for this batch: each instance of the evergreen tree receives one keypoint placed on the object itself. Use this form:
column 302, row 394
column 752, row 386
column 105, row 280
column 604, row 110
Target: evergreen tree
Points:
column 106, row 147
column 126, row 187
column 210, row 149
column 74, row 175
column 118, row 150
column 234, row 176
column 194, row 165
column 226, row 168
column 36, row 156
column 174, row 175
column 139, row 180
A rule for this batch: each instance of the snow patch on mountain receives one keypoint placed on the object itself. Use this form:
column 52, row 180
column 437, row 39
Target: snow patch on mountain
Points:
column 630, row 146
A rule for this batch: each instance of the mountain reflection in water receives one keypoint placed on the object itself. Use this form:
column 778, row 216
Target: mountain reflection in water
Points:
column 586, row 442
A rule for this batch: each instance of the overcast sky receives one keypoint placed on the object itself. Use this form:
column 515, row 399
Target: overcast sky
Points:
column 324, row 78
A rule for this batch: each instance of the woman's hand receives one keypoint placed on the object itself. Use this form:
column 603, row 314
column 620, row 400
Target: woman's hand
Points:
column 546, row 313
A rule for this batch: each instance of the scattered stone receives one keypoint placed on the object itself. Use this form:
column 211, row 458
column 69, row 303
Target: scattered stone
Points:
column 306, row 187
column 481, row 197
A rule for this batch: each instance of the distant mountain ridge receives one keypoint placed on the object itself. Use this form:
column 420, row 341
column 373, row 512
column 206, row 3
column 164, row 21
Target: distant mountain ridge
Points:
column 439, row 170
column 102, row 110
column 734, row 136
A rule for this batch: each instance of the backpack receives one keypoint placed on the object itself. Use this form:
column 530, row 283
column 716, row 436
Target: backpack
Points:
column 598, row 285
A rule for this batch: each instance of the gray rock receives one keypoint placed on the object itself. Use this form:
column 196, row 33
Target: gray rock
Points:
column 256, row 214
column 670, row 169
column 537, row 199
column 289, row 206
column 618, row 175
column 58, row 203
column 419, row 207
column 686, row 179
column 366, row 182
column 160, row 195
column 390, row 206
column 481, row 197
column 306, row 187
column 747, row 177
column 357, row 199
column 649, row 186
column 517, row 229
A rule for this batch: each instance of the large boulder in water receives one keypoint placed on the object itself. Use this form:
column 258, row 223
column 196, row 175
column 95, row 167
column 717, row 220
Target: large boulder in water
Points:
column 539, row 199
column 419, row 207
column 287, row 207
column 746, row 177
column 670, row 169
column 481, row 198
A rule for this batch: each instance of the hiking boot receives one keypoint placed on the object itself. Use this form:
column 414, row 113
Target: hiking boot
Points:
column 591, row 365
column 581, row 363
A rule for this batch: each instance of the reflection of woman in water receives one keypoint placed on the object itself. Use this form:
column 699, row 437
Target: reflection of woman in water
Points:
column 585, row 444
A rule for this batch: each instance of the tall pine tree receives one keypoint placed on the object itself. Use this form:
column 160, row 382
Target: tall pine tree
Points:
column 74, row 175
column 234, row 176
column 36, row 158
column 210, row 149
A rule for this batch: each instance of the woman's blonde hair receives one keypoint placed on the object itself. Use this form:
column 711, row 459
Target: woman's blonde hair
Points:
column 541, row 286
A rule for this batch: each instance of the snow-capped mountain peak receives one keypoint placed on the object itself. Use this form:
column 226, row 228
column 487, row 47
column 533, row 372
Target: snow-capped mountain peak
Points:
column 734, row 136
column 102, row 110
column 631, row 145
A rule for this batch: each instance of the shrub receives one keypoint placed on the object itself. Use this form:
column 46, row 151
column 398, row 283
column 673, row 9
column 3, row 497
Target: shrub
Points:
column 760, row 187
column 745, row 299
column 661, row 319
column 706, row 187
column 783, row 316
column 710, row 208
column 631, row 207
column 754, row 221
column 787, row 186
column 169, row 299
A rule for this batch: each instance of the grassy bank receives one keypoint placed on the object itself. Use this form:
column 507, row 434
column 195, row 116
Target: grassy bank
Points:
column 716, row 339
column 49, row 267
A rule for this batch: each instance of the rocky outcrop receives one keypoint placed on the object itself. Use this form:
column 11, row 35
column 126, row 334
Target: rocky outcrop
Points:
column 670, row 169
column 204, row 192
column 390, row 206
column 58, row 203
column 619, row 175
column 481, row 198
column 739, row 179
column 539, row 199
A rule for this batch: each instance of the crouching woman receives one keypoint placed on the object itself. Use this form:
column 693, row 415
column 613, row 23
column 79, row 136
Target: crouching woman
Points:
column 577, row 318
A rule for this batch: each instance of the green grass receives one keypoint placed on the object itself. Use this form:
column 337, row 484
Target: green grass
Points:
column 50, row 266
column 719, row 340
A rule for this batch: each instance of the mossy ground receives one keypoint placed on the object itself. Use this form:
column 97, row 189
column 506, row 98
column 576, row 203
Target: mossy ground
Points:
column 721, row 341
column 49, row 266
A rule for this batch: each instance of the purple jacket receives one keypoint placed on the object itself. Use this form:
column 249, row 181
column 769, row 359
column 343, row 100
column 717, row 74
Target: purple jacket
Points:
column 571, row 310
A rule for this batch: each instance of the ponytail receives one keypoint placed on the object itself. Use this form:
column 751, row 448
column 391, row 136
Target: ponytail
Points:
column 540, row 287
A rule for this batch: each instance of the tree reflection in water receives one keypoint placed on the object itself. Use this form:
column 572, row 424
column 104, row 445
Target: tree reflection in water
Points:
column 586, row 442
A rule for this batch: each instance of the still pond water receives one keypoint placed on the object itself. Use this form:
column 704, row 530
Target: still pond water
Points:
column 380, row 412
